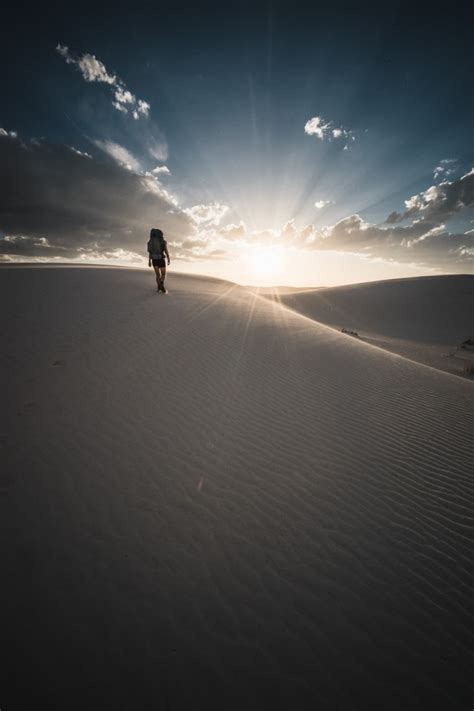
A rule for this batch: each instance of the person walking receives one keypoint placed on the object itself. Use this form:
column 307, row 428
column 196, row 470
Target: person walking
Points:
column 157, row 251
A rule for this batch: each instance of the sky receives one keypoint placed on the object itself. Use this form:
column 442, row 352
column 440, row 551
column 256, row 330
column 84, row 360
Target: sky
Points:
column 273, row 143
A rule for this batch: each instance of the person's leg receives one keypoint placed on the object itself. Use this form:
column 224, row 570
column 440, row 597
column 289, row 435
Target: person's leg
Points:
column 158, row 277
column 162, row 276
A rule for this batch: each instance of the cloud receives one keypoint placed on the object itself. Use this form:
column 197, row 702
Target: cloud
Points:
column 322, row 129
column 120, row 154
column 161, row 170
column 319, row 204
column 57, row 204
column 211, row 235
column 422, row 242
column 438, row 202
column 143, row 107
column 6, row 134
column 316, row 127
column 446, row 167
column 210, row 214
column 80, row 153
column 233, row 232
column 92, row 69
column 441, row 201
column 123, row 96
column 393, row 218
column 153, row 185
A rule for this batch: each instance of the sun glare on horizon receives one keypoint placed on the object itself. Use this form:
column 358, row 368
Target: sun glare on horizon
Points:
column 266, row 263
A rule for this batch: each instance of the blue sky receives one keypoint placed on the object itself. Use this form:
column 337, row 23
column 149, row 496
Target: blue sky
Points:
column 274, row 126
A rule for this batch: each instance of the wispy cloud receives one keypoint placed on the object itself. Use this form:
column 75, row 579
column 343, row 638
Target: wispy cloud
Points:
column 93, row 70
column 120, row 154
column 232, row 231
column 445, row 167
column 326, row 130
column 210, row 214
column 59, row 204
column 80, row 153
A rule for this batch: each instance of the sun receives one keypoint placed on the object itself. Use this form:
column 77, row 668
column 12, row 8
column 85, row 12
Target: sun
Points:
column 266, row 262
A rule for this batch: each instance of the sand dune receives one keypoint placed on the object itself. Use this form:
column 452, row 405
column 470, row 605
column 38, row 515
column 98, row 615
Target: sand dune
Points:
column 424, row 318
column 211, row 499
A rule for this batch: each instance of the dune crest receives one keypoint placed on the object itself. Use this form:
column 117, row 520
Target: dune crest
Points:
column 425, row 319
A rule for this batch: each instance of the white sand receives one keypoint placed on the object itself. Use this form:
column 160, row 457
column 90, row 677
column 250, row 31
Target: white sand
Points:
column 425, row 319
column 211, row 499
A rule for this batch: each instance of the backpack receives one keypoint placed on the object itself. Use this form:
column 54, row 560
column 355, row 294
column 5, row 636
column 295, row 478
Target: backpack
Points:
column 156, row 245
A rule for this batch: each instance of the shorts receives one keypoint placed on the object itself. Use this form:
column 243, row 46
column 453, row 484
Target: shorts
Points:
column 158, row 262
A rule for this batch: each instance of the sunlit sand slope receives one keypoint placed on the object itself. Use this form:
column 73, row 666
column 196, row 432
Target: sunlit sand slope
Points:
column 424, row 318
column 208, row 498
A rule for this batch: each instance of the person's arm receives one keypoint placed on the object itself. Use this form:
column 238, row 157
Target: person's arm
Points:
column 167, row 254
column 149, row 255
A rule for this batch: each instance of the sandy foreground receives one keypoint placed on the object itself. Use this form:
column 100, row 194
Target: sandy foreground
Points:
column 209, row 499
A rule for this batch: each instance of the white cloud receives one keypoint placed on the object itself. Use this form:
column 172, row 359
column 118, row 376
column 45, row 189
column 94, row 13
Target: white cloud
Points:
column 443, row 200
column 120, row 154
column 322, row 129
column 211, row 214
column 439, row 202
column 432, row 232
column 153, row 185
column 123, row 96
column 124, row 99
column 92, row 69
column 319, row 204
column 143, row 107
column 425, row 243
column 446, row 167
column 422, row 242
column 12, row 134
column 232, row 231
column 316, row 127
column 161, row 170
column 64, row 52
column 120, row 107
column 80, row 153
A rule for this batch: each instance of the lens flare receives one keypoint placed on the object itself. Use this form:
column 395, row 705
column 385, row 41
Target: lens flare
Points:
column 266, row 262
